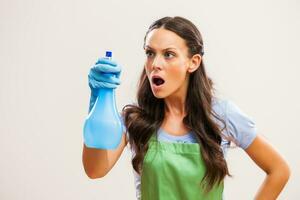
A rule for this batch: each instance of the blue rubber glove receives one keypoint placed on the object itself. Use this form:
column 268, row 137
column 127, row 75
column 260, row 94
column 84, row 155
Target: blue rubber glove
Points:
column 104, row 74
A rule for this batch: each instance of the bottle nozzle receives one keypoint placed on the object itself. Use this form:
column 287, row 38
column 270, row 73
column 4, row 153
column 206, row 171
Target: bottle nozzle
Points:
column 108, row 54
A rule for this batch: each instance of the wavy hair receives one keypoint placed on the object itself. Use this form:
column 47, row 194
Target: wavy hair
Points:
column 143, row 119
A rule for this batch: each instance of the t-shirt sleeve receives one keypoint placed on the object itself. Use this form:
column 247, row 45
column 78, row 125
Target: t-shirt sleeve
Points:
column 240, row 126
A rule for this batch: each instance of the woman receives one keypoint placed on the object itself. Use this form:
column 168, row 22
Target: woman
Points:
column 179, row 131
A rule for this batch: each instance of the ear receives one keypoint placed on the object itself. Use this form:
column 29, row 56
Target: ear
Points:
column 194, row 63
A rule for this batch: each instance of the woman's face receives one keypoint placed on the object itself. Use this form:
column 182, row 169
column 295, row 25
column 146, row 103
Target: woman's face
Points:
column 167, row 63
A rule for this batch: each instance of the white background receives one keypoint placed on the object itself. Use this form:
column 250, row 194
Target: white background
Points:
column 47, row 48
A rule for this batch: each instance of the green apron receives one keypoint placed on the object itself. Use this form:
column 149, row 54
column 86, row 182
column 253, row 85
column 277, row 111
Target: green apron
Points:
column 173, row 171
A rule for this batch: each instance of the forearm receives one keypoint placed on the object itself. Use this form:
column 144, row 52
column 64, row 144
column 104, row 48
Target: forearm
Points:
column 272, row 185
column 98, row 162
column 95, row 162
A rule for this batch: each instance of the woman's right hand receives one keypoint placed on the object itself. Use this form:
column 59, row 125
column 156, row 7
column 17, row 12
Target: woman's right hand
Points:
column 104, row 74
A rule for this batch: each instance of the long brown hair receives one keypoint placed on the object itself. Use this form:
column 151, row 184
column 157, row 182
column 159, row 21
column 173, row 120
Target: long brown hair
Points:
column 144, row 118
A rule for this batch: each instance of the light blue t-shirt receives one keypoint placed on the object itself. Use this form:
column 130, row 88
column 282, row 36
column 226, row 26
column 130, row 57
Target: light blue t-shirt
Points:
column 240, row 127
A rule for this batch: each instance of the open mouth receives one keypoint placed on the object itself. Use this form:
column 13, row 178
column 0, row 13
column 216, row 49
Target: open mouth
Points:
column 157, row 81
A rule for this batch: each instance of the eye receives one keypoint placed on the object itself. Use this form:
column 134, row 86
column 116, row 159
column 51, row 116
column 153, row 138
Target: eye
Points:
column 149, row 53
column 169, row 54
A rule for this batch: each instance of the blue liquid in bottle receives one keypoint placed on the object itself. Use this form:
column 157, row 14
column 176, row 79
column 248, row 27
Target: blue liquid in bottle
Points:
column 103, row 127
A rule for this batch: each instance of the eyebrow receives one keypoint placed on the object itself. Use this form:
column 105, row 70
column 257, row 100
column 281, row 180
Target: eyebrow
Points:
column 147, row 46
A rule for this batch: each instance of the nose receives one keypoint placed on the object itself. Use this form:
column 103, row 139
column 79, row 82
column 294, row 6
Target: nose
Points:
column 157, row 63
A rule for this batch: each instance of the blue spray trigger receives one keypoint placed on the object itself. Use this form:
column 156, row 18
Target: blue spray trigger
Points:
column 108, row 54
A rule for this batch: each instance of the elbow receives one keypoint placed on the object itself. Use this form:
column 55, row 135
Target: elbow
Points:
column 283, row 173
column 284, row 176
column 94, row 175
